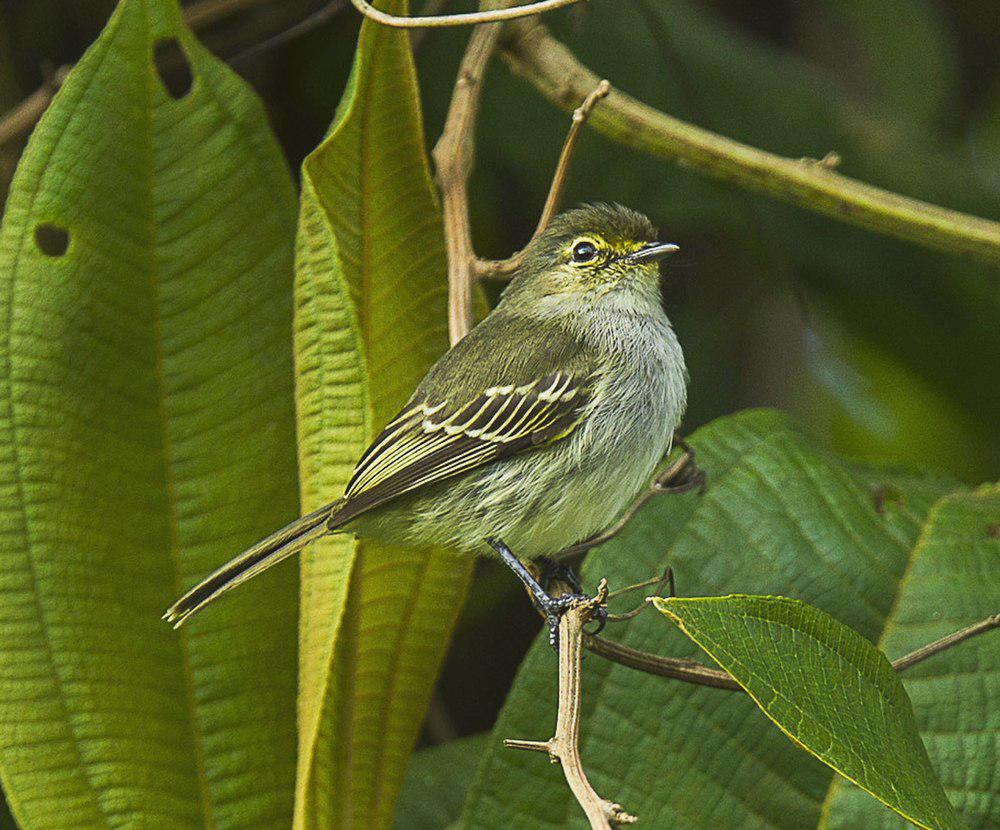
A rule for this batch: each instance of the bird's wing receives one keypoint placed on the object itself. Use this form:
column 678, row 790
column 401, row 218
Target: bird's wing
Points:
column 432, row 440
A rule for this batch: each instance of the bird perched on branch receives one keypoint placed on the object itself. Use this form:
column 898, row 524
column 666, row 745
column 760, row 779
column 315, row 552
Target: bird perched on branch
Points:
column 535, row 431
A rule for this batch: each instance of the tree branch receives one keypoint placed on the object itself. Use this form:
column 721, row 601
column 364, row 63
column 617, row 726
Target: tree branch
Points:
column 453, row 158
column 500, row 268
column 691, row 671
column 25, row 115
column 533, row 53
column 564, row 745
column 465, row 19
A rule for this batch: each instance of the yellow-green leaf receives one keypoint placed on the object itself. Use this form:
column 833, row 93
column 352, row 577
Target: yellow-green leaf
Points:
column 826, row 687
column 146, row 434
column 371, row 318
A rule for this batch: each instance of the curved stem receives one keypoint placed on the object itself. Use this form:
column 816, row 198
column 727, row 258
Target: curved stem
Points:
column 438, row 21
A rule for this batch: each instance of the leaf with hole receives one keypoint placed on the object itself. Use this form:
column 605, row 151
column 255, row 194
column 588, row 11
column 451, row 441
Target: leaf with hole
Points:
column 146, row 434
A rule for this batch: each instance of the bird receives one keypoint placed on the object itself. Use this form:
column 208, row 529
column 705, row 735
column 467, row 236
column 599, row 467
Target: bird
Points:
column 532, row 433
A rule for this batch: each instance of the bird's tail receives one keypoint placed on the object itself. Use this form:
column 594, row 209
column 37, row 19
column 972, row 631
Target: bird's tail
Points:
column 278, row 546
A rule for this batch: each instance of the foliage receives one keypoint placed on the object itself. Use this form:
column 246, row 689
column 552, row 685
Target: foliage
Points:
column 371, row 318
column 436, row 782
column 780, row 515
column 147, row 433
column 169, row 337
column 827, row 688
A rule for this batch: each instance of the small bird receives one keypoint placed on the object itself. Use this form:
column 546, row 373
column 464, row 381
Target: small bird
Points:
column 535, row 431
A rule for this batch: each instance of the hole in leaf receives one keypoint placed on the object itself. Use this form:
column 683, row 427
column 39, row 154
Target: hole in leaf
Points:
column 51, row 239
column 173, row 68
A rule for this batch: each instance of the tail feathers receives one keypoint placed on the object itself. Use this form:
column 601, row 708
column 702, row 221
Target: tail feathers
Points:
column 278, row 546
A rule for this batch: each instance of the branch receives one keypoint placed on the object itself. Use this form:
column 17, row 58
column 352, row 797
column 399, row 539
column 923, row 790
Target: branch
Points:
column 564, row 745
column 25, row 115
column 453, row 158
column 691, row 671
column 465, row 19
column 305, row 25
column 500, row 268
column 208, row 12
column 454, row 155
column 533, row 53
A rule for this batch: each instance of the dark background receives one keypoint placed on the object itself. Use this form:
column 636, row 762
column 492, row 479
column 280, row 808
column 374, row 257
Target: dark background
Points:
column 881, row 348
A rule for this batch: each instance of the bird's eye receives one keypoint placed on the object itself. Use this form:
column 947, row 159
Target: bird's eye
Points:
column 584, row 251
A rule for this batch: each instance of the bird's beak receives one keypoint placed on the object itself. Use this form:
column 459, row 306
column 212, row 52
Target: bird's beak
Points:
column 653, row 252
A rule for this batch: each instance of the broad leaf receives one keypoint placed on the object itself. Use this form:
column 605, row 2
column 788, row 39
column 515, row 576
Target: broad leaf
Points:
column 953, row 580
column 780, row 516
column 436, row 782
column 825, row 686
column 371, row 317
column 146, row 434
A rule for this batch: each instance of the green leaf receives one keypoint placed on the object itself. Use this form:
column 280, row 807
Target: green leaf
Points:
column 146, row 434
column 781, row 515
column 436, row 782
column 371, row 318
column 826, row 687
column 952, row 580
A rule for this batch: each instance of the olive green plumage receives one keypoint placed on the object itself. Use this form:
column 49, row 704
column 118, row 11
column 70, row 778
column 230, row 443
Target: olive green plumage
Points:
column 537, row 428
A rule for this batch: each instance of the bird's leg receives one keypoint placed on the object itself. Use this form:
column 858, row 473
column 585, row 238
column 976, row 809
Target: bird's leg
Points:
column 683, row 475
column 550, row 607
column 550, row 571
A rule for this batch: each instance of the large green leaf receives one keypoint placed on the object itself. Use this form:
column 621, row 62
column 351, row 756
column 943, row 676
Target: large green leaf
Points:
column 146, row 433
column 780, row 516
column 952, row 580
column 829, row 689
column 371, row 317
column 436, row 782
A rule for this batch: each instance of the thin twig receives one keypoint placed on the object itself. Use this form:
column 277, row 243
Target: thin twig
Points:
column 532, row 52
column 660, row 582
column 25, row 115
column 464, row 19
column 207, row 12
column 311, row 21
column 453, row 158
column 564, row 745
column 500, row 268
column 929, row 650
column 691, row 671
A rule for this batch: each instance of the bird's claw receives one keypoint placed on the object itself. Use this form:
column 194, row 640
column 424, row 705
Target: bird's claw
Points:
column 553, row 609
column 550, row 571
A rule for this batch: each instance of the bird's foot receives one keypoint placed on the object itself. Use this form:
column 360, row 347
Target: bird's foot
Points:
column 550, row 571
column 550, row 607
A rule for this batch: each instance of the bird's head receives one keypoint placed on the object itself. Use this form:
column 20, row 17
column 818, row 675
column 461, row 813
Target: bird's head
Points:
column 589, row 253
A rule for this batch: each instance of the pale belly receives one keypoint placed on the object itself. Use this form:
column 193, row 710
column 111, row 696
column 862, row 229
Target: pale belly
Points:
column 544, row 501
